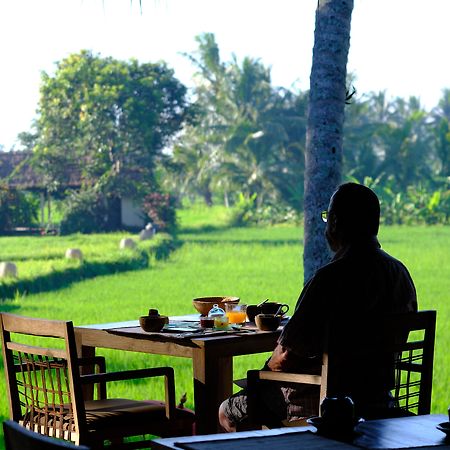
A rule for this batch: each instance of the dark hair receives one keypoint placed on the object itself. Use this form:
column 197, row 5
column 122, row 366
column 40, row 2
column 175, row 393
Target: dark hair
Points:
column 357, row 210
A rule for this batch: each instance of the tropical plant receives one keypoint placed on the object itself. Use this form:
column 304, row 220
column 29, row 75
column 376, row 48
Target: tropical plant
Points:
column 441, row 130
column 247, row 137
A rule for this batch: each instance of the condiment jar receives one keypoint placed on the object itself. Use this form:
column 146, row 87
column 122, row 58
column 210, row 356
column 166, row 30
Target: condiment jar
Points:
column 220, row 318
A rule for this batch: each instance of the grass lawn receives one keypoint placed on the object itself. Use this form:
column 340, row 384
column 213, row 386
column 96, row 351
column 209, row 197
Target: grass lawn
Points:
column 252, row 263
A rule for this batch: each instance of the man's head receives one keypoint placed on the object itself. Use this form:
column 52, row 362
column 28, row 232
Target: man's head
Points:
column 353, row 215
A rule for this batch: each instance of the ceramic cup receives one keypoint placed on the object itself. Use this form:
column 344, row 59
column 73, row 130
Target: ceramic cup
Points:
column 274, row 308
column 252, row 312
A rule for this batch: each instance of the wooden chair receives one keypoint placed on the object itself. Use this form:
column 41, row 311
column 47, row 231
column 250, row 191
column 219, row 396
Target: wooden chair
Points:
column 17, row 437
column 45, row 390
column 400, row 348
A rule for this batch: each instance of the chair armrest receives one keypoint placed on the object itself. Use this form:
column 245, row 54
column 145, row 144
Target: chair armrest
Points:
column 128, row 375
column 300, row 378
column 166, row 372
column 98, row 361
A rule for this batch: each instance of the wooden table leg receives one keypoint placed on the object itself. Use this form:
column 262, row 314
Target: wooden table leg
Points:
column 213, row 383
column 87, row 352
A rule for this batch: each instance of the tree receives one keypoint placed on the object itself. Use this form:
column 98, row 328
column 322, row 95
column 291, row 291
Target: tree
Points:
column 404, row 145
column 248, row 136
column 441, row 119
column 327, row 97
column 111, row 119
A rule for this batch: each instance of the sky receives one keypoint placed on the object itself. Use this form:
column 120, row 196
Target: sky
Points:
column 397, row 46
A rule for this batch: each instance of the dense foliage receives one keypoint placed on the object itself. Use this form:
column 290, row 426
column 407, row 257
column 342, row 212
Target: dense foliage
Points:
column 17, row 209
column 160, row 208
column 88, row 211
column 246, row 147
column 248, row 136
column 108, row 120
column 126, row 128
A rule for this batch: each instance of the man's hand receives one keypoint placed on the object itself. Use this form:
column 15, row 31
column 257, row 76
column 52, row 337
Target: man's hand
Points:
column 279, row 361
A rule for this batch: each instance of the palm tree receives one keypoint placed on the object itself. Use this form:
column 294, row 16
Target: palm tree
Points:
column 441, row 127
column 327, row 97
column 247, row 135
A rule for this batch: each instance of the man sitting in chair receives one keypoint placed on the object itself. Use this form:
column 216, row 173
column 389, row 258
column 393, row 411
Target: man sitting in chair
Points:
column 361, row 281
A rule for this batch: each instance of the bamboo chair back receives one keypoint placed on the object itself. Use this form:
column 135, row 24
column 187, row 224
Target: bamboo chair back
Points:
column 44, row 387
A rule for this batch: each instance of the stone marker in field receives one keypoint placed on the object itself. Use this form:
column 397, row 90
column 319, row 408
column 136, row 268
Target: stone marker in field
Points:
column 127, row 243
column 8, row 269
column 74, row 253
column 147, row 233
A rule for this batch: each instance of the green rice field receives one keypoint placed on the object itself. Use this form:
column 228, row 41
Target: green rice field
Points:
column 252, row 263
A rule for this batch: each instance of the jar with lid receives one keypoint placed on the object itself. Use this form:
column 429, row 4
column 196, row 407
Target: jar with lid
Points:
column 219, row 316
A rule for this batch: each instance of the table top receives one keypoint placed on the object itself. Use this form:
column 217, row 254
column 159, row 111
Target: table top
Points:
column 403, row 432
column 406, row 432
column 182, row 331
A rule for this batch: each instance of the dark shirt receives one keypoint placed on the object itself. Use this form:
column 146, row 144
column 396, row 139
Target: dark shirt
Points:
column 361, row 283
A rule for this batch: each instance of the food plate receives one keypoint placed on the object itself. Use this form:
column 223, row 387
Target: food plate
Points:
column 444, row 427
column 179, row 327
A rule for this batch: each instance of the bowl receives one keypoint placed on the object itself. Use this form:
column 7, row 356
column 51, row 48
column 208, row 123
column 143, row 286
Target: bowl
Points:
column 267, row 322
column 153, row 322
column 204, row 304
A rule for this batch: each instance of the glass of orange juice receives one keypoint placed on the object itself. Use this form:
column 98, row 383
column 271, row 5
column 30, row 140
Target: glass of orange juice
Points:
column 236, row 313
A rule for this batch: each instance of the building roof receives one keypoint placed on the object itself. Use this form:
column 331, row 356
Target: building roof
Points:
column 17, row 171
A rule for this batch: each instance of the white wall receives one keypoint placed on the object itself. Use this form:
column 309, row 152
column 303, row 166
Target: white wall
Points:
column 131, row 214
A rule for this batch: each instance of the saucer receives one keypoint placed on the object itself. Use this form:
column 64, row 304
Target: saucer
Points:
column 330, row 428
column 444, row 427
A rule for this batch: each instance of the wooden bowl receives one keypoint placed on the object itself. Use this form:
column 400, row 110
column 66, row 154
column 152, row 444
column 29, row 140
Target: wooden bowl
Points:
column 204, row 304
column 153, row 323
column 267, row 322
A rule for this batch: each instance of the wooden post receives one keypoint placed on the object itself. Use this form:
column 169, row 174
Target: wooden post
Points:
column 42, row 207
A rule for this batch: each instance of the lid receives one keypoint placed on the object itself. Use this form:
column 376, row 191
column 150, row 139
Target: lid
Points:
column 153, row 312
column 216, row 311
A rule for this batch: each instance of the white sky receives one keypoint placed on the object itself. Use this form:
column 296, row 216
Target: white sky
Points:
column 401, row 46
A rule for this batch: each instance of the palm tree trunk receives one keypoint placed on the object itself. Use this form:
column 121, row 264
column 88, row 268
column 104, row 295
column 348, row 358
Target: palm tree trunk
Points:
column 323, row 160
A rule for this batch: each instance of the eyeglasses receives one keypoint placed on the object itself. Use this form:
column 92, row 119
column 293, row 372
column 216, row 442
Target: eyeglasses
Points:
column 324, row 215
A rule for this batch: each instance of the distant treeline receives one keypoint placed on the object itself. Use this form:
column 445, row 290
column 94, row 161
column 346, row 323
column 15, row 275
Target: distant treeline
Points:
column 133, row 130
column 248, row 137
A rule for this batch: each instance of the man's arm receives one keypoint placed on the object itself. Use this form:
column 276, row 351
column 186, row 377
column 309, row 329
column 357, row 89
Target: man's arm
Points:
column 301, row 341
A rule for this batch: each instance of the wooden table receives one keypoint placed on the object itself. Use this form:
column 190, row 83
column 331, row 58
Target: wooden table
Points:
column 406, row 432
column 212, row 357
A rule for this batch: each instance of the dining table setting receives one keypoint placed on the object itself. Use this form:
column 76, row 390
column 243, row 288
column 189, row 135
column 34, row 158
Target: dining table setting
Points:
column 221, row 328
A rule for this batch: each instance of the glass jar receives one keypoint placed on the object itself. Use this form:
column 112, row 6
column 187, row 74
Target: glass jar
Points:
column 220, row 318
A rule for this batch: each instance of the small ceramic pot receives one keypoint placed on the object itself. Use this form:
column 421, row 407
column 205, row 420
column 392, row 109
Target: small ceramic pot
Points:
column 153, row 321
